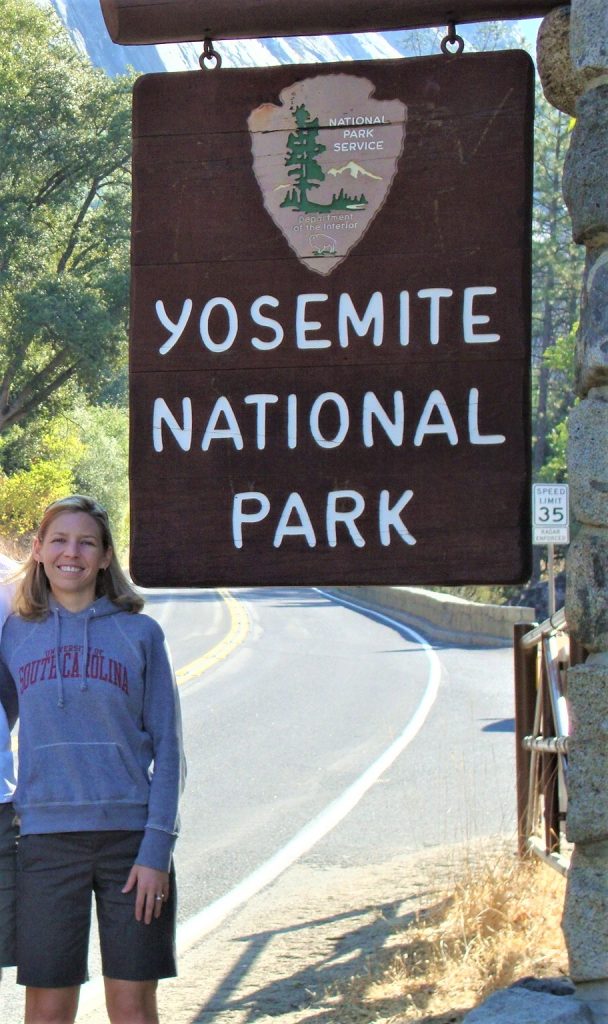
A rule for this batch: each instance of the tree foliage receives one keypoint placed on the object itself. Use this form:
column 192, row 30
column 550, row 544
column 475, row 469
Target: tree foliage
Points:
column 64, row 224
column 103, row 466
column 25, row 495
column 42, row 472
column 83, row 449
column 556, row 279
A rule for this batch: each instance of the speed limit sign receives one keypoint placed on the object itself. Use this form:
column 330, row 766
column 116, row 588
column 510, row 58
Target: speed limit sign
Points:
column 550, row 514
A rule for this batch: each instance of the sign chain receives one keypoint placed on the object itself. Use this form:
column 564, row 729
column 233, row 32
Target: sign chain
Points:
column 452, row 39
column 209, row 54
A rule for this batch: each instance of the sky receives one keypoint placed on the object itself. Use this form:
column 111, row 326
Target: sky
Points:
column 529, row 28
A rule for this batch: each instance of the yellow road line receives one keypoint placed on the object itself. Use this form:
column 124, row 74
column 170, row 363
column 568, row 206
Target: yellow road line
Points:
column 239, row 629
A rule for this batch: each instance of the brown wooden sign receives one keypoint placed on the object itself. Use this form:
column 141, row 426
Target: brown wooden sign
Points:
column 167, row 21
column 330, row 323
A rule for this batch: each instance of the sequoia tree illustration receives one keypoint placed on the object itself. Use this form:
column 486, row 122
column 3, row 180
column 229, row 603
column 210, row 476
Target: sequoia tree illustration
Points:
column 302, row 149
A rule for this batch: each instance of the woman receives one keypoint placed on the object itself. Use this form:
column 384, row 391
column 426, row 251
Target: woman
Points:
column 100, row 772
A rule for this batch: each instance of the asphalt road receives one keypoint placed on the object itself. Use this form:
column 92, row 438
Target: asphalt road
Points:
column 322, row 732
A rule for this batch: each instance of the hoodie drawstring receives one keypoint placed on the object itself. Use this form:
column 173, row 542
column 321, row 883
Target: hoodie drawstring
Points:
column 84, row 683
column 60, row 694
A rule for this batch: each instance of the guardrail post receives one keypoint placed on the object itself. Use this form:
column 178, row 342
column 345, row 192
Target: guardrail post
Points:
column 525, row 702
column 548, row 773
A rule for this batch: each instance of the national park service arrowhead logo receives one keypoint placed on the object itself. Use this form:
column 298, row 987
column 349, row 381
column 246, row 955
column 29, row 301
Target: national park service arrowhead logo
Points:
column 325, row 160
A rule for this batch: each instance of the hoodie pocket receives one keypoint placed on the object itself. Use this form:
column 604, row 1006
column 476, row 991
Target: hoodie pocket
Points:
column 81, row 773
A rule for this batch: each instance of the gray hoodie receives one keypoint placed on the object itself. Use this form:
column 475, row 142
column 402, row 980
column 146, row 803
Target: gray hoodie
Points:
column 100, row 743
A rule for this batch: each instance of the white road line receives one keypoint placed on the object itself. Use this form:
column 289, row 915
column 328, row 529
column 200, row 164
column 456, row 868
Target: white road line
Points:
column 206, row 920
column 193, row 930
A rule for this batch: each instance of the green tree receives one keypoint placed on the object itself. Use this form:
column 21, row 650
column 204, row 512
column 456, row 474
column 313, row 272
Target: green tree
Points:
column 559, row 369
column 102, row 468
column 302, row 150
column 556, row 277
column 64, row 224
column 25, row 495
column 43, row 474
column 83, row 449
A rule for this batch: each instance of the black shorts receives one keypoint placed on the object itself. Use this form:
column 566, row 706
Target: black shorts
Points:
column 56, row 875
column 8, row 853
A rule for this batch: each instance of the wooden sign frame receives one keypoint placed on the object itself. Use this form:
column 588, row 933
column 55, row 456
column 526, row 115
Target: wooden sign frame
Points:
column 309, row 407
column 159, row 21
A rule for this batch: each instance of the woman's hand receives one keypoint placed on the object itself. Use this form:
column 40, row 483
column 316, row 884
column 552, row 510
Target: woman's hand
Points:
column 152, row 891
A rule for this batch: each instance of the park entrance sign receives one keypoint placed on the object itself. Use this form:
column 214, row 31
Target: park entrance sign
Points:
column 329, row 370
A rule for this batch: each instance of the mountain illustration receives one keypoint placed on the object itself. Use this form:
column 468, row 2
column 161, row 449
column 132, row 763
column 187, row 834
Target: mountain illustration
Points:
column 354, row 170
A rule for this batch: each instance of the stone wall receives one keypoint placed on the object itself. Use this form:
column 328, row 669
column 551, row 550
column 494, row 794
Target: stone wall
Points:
column 573, row 64
column 443, row 617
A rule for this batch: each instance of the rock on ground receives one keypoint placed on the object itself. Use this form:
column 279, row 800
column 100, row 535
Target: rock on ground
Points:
column 521, row 1005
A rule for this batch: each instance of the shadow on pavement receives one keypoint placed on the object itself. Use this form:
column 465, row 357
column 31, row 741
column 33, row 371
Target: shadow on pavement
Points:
column 311, row 993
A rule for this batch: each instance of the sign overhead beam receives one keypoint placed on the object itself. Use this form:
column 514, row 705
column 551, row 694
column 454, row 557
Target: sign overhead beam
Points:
column 171, row 21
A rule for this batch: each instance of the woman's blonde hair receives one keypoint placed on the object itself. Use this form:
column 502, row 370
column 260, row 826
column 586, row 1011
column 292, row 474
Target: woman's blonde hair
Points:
column 32, row 595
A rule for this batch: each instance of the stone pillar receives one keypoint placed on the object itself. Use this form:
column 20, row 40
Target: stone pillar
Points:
column 573, row 65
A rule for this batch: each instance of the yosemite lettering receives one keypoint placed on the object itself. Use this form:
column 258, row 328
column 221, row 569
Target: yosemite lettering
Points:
column 220, row 325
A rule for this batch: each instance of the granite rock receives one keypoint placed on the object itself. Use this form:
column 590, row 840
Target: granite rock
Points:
column 585, row 179
column 587, row 588
column 562, row 83
column 519, row 1005
column 588, row 458
column 591, row 360
column 587, row 819
column 585, row 920
column 589, row 35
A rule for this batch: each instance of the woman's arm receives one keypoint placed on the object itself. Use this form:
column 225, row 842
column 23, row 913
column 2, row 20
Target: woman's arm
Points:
column 162, row 721
column 8, row 694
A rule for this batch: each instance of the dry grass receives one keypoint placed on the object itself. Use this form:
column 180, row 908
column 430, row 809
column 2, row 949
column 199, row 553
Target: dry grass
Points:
column 500, row 923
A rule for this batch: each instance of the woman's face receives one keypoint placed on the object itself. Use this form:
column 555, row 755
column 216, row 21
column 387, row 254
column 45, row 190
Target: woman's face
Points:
column 72, row 554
